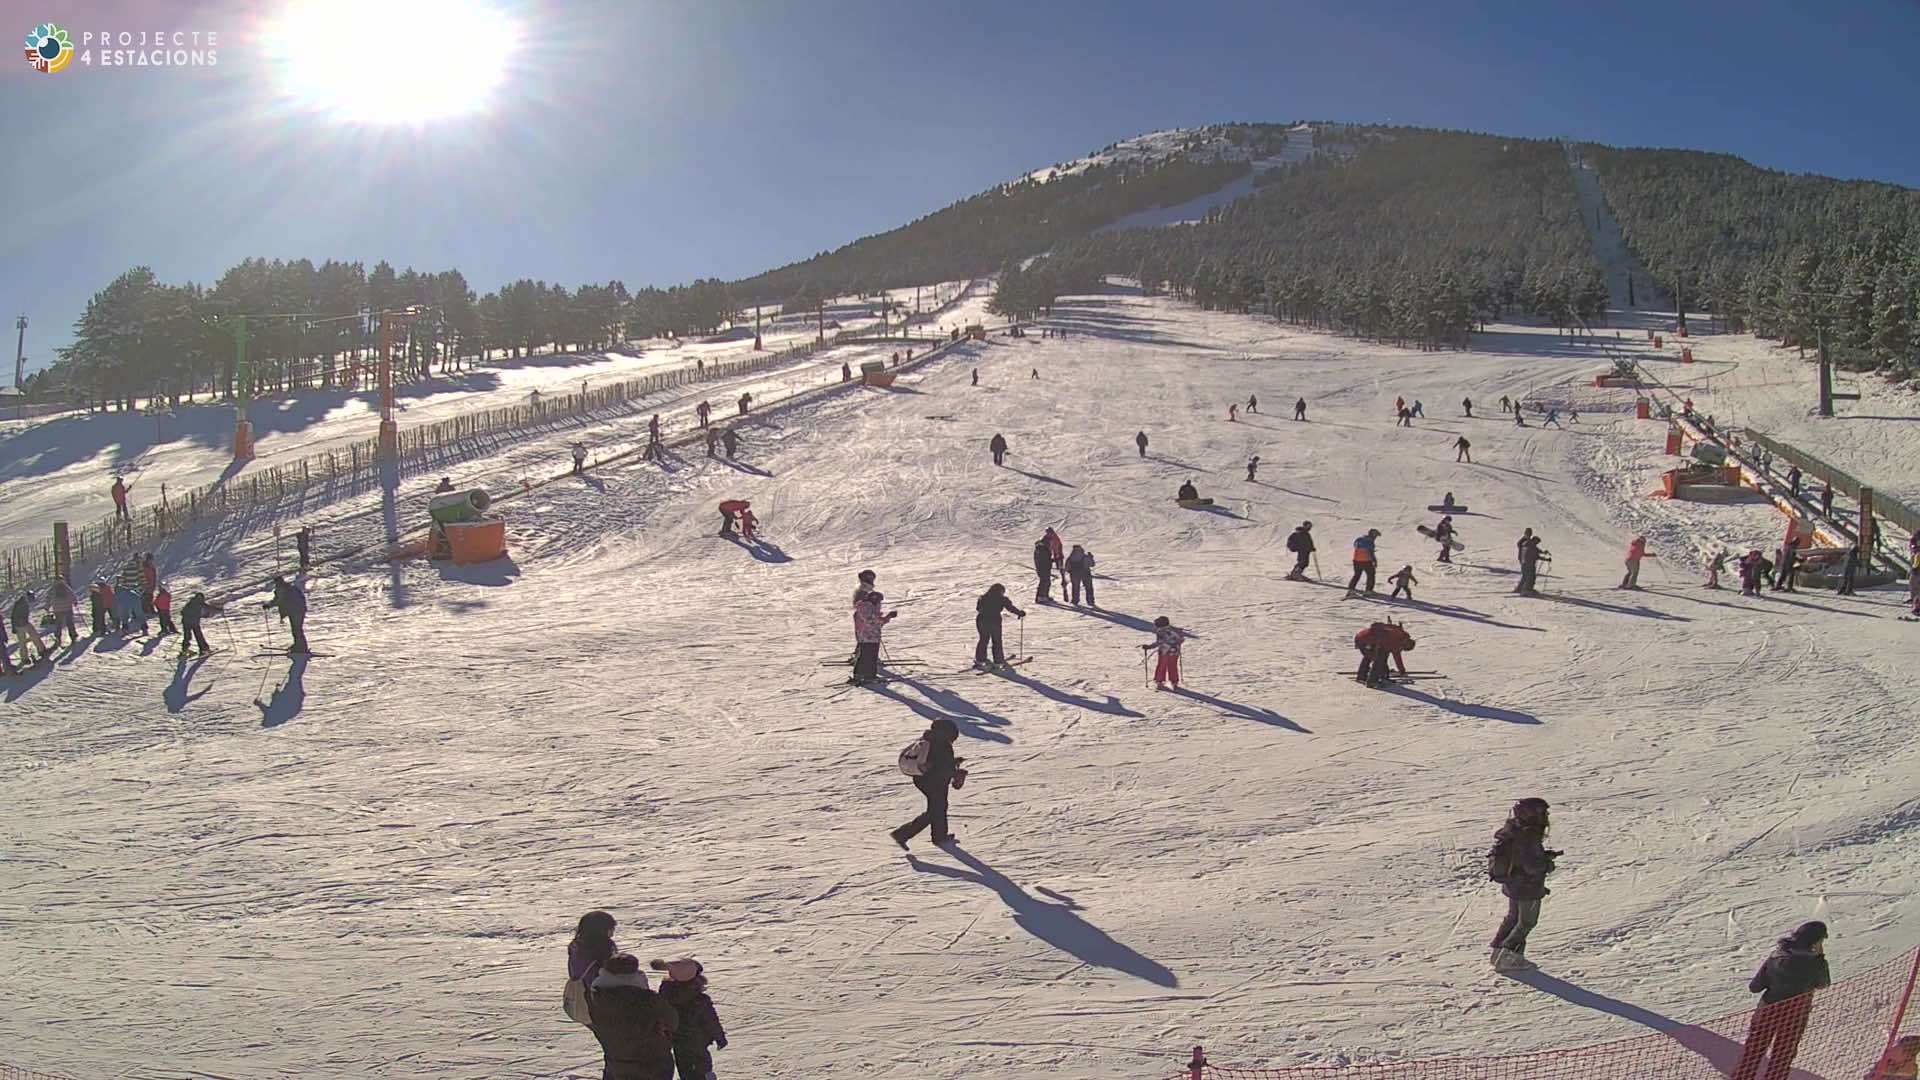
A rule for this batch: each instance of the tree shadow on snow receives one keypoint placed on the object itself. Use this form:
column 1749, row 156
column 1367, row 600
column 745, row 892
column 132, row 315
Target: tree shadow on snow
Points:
column 288, row 698
column 973, row 721
column 175, row 696
column 1058, row 924
column 1111, row 706
column 764, row 550
column 1461, row 708
column 1234, row 708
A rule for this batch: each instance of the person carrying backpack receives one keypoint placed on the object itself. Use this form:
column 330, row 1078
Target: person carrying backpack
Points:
column 1520, row 862
column 1300, row 542
column 930, row 761
column 1785, row 982
column 592, row 944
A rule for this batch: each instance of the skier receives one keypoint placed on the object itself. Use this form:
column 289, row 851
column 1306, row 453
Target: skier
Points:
column 1399, row 405
column 580, row 457
column 729, row 514
column 1462, row 450
column 685, row 988
column 1443, row 532
column 1573, row 414
column 1300, row 409
column 190, row 633
column 746, row 402
column 163, row 606
column 1785, row 982
column 1793, row 481
column 998, row 444
column 120, row 490
column 1378, row 643
column 1036, row 374
column 1506, row 403
column 1847, row 571
column 713, row 441
column 1058, row 550
column 1518, row 420
column 1520, row 862
column 1406, row 417
column 731, row 440
column 1365, row 562
column 1531, row 554
column 1783, row 570
column 747, row 522
column 704, row 410
column 986, row 620
column 592, row 944
column 1253, row 403
column 1166, row 642
column 1404, row 581
column 1140, row 440
column 1300, row 542
column 1718, row 564
column 1553, row 418
column 23, row 630
column 1253, row 466
column 303, row 546
column 1753, row 569
column 1467, row 404
column 1418, row 409
column 291, row 603
column 976, row 376
column 1233, row 411
column 60, row 601
column 868, row 623
column 938, row 771
column 1636, row 551
column 1080, row 574
column 1043, row 569
column 634, row 1025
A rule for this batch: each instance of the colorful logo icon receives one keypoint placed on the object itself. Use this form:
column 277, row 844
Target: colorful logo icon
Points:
column 49, row 48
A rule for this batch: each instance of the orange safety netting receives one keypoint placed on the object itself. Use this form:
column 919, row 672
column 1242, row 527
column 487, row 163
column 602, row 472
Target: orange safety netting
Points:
column 1839, row 1033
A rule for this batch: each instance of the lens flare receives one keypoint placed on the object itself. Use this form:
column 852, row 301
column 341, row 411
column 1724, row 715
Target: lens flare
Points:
column 391, row 62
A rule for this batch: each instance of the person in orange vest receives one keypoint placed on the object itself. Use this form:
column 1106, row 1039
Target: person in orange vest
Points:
column 1365, row 563
column 1636, row 551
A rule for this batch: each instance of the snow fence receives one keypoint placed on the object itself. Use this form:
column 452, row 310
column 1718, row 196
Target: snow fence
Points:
column 1841, row 1033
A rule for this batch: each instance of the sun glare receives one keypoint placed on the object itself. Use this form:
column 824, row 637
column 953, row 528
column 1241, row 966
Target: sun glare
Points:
column 391, row 61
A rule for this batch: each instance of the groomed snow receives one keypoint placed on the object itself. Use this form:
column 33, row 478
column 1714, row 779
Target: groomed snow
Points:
column 374, row 873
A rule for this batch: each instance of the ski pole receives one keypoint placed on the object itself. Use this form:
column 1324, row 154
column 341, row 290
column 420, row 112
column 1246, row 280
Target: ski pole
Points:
column 1023, row 637
column 1316, row 568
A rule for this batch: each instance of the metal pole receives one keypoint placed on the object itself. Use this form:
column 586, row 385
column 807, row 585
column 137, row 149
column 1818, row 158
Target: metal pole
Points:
column 20, row 356
column 1826, row 373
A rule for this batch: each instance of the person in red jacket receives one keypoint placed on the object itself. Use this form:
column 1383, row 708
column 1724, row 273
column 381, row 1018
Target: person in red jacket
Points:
column 163, row 606
column 1376, row 643
column 1635, row 552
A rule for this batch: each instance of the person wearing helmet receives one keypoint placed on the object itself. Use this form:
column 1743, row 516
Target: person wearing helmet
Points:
column 1520, row 861
column 1300, row 542
column 1365, row 563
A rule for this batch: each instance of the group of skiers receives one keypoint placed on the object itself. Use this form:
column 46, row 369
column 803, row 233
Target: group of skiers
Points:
column 1075, row 568
column 644, row 1033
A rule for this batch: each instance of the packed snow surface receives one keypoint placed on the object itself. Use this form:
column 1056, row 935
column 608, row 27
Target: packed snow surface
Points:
column 374, row 870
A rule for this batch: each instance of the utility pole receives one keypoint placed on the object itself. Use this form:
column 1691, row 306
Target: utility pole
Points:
column 1826, row 372
column 20, row 356
column 1679, row 299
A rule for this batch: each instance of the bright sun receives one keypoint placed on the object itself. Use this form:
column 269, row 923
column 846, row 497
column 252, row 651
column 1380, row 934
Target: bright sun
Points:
column 391, row 61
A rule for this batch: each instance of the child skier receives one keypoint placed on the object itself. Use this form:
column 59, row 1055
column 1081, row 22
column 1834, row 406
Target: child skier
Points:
column 1253, row 466
column 747, row 522
column 1403, row 582
column 1378, row 643
column 1166, row 641
column 1718, row 564
column 685, row 988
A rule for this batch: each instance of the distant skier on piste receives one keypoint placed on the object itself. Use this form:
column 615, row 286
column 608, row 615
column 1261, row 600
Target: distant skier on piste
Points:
column 579, row 458
column 1253, row 467
column 1403, row 582
column 303, row 547
column 1043, row 569
column 198, row 607
column 1080, row 565
column 1300, row 542
column 1365, row 562
column 291, row 603
column 120, row 490
column 986, row 622
column 936, row 771
column 1253, row 403
column 1531, row 554
column 1520, row 862
column 1300, row 409
column 1140, row 441
column 1443, row 532
column 1379, row 643
column 1467, row 404
column 1233, row 411
column 998, row 445
column 1462, row 450
column 1166, row 642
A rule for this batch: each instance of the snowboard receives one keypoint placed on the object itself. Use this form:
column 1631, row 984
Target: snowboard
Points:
column 1443, row 508
column 1188, row 504
column 1427, row 531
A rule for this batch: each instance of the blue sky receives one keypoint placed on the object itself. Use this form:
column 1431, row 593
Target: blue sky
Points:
column 660, row 141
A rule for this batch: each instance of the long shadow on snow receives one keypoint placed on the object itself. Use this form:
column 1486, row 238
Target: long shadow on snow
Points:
column 29, row 677
column 1290, row 491
column 751, row 470
column 1452, row 611
column 946, row 704
column 1164, row 460
column 1057, row 924
column 497, row 572
column 175, row 696
column 288, row 698
column 1516, row 472
column 1111, row 706
column 1234, row 708
column 1643, row 611
column 1131, row 622
column 764, row 550
column 1461, row 708
column 1038, row 476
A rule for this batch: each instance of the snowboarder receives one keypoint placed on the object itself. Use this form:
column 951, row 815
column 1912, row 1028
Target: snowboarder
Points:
column 1847, row 571
column 1300, row 409
column 730, row 439
column 986, row 620
column 580, row 457
column 1636, row 551
column 1365, row 562
column 746, row 402
column 1785, row 982
column 1378, row 643
column 1300, row 542
column 1404, row 581
column 163, row 607
column 998, row 444
column 592, row 944
column 303, row 547
column 1714, row 567
column 60, row 601
column 1462, row 450
column 1080, row 574
column 1140, row 441
column 198, row 606
column 1253, row 403
column 937, row 772
column 1043, row 569
column 1531, row 554
column 120, row 490
column 1443, row 532
column 748, row 523
column 685, row 988
column 1467, row 404
column 635, row 1026
column 291, row 603
column 23, row 630
column 1520, row 862
column 1187, row 492
column 1233, row 411
column 868, row 622
column 1406, row 417
column 1036, row 374
column 1166, row 642
column 1253, row 466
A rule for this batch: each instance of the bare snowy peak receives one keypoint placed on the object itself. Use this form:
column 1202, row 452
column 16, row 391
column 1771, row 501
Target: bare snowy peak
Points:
column 1266, row 145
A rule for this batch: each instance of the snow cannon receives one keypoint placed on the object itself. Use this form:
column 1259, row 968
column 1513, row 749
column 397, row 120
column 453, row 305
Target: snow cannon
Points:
column 458, row 506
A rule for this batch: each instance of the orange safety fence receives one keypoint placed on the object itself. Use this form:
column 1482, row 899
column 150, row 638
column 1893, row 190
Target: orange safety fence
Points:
column 1845, row 1032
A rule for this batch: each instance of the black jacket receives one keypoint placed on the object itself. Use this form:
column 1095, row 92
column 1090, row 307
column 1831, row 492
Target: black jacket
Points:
column 989, row 608
column 196, row 610
column 1042, row 557
column 1529, row 551
column 1301, row 541
column 1528, row 860
column 699, row 1020
column 288, row 600
column 1788, row 973
column 22, row 611
column 635, row 1028
column 940, row 760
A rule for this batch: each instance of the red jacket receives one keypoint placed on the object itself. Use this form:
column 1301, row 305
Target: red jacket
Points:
column 1637, row 549
column 1384, row 636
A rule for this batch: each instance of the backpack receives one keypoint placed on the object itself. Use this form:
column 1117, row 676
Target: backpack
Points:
column 1293, row 542
column 1499, row 864
column 913, row 759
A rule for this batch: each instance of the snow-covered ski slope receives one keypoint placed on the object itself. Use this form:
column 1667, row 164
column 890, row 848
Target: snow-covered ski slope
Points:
column 374, row 872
